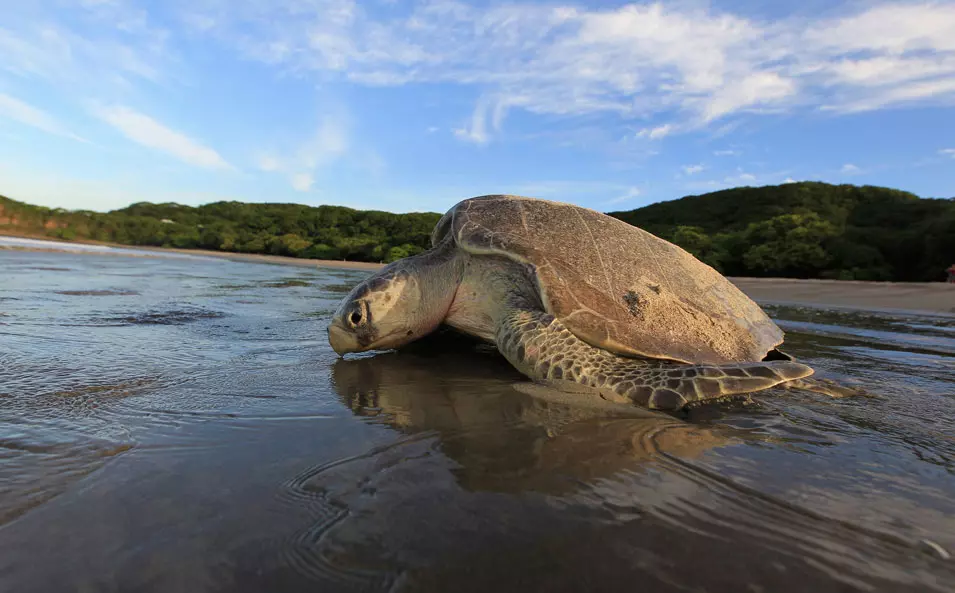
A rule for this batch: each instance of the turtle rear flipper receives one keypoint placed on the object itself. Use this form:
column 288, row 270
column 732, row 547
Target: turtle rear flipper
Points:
column 828, row 387
column 539, row 345
column 817, row 384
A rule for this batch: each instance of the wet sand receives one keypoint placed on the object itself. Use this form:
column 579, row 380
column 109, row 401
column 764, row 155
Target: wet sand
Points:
column 272, row 259
column 247, row 257
column 925, row 297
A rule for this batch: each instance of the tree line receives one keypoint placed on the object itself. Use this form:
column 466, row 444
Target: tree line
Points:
column 796, row 230
column 323, row 232
column 810, row 230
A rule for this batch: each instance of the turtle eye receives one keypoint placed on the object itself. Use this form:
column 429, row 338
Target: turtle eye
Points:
column 355, row 317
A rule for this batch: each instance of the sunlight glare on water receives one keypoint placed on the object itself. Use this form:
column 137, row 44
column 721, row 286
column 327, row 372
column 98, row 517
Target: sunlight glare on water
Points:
column 182, row 424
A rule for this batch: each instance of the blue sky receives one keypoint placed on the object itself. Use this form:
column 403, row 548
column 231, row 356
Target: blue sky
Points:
column 407, row 106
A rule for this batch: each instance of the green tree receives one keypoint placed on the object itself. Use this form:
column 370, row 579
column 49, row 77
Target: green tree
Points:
column 701, row 245
column 402, row 251
column 788, row 245
column 288, row 244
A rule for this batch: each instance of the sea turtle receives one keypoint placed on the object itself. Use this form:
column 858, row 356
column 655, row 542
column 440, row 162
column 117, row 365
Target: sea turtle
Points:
column 577, row 300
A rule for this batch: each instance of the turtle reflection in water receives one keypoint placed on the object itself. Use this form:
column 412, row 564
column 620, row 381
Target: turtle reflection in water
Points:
column 507, row 441
column 578, row 301
column 486, row 489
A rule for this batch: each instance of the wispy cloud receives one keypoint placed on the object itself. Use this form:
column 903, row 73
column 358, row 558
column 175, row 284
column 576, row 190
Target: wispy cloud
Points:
column 850, row 169
column 302, row 181
column 571, row 190
column 740, row 178
column 655, row 133
column 327, row 143
column 948, row 152
column 726, row 152
column 269, row 163
column 488, row 116
column 630, row 194
column 758, row 88
column 684, row 63
column 692, row 169
column 83, row 45
column 148, row 132
column 476, row 129
column 27, row 114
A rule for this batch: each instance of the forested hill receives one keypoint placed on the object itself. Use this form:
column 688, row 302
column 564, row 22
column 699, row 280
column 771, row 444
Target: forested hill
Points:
column 810, row 230
column 804, row 230
column 323, row 232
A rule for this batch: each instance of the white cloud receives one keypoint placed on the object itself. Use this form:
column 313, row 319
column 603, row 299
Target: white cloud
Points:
column 494, row 108
column 692, row 169
column 631, row 193
column 948, row 152
column 850, row 169
column 327, row 143
column 760, row 88
column 269, row 163
column 302, row 181
column 726, row 153
column 148, row 132
column 688, row 62
column 737, row 179
column 889, row 70
column 562, row 190
column 894, row 28
column 476, row 130
column 915, row 92
column 116, row 46
column 741, row 178
column 24, row 113
column 655, row 133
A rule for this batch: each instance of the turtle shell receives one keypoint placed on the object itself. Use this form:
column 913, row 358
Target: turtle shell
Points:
column 616, row 286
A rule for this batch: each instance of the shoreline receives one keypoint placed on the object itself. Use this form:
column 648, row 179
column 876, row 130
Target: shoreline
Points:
column 261, row 258
column 936, row 298
column 228, row 255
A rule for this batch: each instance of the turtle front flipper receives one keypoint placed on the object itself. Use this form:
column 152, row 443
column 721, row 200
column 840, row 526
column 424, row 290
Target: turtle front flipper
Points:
column 539, row 346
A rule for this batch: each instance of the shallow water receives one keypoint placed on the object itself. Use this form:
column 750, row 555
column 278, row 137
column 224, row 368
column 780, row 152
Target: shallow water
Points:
column 181, row 424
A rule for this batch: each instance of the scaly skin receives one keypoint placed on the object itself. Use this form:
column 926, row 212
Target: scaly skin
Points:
column 539, row 346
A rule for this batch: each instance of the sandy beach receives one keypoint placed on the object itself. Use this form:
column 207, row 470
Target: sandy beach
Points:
column 923, row 297
column 926, row 297
column 280, row 260
column 159, row 251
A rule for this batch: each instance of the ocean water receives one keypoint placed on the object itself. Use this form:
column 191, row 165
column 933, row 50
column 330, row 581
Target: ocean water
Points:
column 181, row 424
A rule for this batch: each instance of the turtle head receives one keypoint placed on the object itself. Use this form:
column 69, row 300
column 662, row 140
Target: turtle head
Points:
column 387, row 310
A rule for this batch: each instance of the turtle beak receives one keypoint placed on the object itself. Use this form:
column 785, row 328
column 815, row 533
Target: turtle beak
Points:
column 341, row 340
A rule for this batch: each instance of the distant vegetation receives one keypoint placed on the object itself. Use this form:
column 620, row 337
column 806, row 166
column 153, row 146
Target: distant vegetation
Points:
column 810, row 230
column 798, row 230
column 323, row 232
